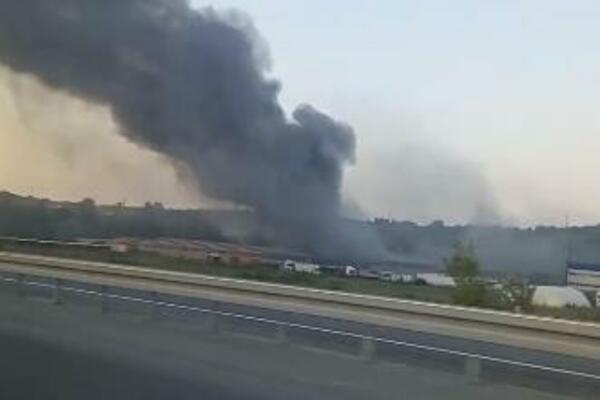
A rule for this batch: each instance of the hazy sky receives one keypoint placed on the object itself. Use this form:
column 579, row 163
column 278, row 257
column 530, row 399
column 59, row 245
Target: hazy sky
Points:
column 464, row 110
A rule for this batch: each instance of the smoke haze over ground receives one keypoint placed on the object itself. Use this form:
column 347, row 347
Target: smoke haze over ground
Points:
column 428, row 184
column 191, row 86
column 46, row 151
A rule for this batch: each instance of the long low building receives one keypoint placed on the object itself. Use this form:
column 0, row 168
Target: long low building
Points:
column 583, row 276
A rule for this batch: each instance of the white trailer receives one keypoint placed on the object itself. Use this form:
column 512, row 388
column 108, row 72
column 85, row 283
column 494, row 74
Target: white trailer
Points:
column 437, row 279
column 296, row 266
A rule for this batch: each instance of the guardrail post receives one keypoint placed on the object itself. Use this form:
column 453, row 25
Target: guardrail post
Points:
column 367, row 349
column 103, row 299
column 20, row 285
column 473, row 369
column 57, row 292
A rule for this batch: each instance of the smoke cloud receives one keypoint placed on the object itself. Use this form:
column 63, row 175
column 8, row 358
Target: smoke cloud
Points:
column 432, row 183
column 192, row 85
column 45, row 151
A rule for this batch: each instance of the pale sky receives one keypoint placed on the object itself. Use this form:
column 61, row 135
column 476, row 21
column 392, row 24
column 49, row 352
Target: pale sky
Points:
column 464, row 110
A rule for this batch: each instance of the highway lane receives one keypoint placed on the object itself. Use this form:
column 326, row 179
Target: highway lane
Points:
column 500, row 365
column 124, row 299
column 38, row 370
column 525, row 331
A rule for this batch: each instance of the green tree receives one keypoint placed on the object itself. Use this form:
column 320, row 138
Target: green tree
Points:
column 463, row 266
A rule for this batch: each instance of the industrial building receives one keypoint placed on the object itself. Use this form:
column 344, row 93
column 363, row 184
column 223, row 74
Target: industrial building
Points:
column 583, row 276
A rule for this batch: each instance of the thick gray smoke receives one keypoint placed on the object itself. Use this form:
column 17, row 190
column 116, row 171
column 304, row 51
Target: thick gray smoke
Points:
column 192, row 85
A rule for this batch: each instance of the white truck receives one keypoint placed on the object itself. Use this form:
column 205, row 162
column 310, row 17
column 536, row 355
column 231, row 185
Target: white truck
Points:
column 297, row 266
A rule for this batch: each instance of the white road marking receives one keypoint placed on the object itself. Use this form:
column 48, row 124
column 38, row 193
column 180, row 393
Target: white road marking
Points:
column 311, row 328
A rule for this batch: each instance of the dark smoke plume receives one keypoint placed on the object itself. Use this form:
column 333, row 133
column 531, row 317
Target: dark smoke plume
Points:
column 192, row 85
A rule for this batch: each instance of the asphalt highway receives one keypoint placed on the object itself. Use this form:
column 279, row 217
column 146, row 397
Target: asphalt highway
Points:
column 116, row 343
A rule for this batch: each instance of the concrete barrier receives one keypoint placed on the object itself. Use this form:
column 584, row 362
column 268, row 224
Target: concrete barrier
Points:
column 547, row 334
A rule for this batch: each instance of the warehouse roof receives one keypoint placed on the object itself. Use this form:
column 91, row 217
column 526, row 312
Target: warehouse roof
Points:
column 584, row 266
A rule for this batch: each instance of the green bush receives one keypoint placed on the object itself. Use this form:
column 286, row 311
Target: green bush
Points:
column 514, row 294
column 470, row 294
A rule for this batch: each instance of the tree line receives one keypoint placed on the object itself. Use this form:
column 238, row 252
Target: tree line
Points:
column 541, row 250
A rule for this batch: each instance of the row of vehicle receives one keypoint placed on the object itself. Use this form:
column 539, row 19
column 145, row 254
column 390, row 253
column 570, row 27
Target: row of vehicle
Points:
column 435, row 279
column 311, row 268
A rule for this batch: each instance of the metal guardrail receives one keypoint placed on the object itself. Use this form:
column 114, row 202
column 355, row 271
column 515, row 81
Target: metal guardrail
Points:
column 475, row 368
column 57, row 285
column 547, row 334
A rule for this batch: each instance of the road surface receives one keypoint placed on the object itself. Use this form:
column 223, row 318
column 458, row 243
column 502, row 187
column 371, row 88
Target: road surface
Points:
column 134, row 344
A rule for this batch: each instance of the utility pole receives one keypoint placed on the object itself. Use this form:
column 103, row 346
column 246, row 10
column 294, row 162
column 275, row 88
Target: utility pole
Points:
column 568, row 249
